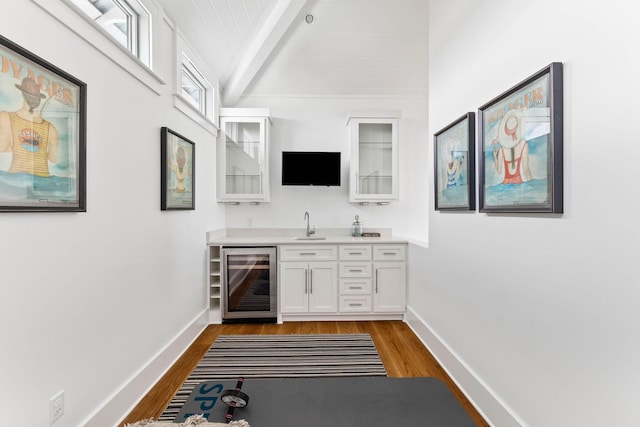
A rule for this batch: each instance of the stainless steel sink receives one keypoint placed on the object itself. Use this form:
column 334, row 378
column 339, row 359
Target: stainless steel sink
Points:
column 310, row 238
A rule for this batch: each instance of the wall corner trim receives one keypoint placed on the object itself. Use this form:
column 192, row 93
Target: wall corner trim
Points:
column 121, row 402
column 492, row 409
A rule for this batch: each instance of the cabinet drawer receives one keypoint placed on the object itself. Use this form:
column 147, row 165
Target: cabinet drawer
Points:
column 389, row 253
column 355, row 253
column 355, row 269
column 355, row 304
column 311, row 253
column 355, row 286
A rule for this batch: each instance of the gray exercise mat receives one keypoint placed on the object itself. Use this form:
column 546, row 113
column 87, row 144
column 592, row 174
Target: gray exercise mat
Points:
column 335, row 402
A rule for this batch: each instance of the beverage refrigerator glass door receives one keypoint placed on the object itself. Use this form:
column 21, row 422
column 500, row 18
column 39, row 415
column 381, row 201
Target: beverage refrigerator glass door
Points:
column 249, row 284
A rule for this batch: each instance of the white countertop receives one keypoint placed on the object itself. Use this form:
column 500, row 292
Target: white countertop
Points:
column 296, row 236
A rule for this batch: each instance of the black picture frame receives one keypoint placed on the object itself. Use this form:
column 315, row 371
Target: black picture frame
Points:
column 520, row 146
column 455, row 165
column 43, row 118
column 177, row 171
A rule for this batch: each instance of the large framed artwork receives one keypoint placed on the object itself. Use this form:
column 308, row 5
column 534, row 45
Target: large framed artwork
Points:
column 520, row 146
column 455, row 165
column 177, row 170
column 42, row 134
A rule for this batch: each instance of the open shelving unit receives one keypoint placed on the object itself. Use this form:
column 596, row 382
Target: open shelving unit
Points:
column 214, row 275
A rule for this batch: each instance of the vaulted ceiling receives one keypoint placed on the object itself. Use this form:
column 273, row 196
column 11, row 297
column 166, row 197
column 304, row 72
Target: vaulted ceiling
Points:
column 352, row 48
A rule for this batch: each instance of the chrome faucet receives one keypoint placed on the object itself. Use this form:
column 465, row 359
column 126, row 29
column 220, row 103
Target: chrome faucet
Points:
column 310, row 230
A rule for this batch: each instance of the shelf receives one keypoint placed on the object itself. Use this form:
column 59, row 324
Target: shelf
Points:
column 234, row 142
column 378, row 147
column 215, row 276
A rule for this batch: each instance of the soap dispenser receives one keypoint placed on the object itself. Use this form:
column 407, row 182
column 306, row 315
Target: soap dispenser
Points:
column 356, row 227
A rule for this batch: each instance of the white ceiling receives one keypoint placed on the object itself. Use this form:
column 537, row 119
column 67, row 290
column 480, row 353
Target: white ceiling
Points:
column 353, row 48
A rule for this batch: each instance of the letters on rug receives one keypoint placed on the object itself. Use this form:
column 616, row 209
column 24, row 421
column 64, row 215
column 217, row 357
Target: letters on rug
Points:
column 281, row 356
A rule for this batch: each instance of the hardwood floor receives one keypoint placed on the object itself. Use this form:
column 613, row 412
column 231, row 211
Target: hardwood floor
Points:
column 401, row 352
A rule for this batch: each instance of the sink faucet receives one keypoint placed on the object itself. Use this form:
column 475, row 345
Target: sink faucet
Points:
column 310, row 230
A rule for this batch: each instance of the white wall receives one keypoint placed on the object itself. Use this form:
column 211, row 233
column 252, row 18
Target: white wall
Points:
column 319, row 124
column 88, row 299
column 542, row 309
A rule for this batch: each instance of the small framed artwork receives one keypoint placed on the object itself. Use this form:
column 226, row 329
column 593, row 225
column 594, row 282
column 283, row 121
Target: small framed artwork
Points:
column 42, row 135
column 520, row 146
column 177, row 170
column 455, row 165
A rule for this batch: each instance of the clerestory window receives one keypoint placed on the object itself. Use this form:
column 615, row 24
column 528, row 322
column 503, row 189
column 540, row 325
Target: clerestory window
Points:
column 194, row 86
column 128, row 22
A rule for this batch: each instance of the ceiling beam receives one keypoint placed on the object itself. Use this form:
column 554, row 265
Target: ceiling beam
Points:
column 282, row 16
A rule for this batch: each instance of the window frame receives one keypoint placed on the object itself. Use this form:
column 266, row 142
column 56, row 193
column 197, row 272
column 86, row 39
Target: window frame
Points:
column 138, row 36
column 191, row 72
column 142, row 68
column 185, row 56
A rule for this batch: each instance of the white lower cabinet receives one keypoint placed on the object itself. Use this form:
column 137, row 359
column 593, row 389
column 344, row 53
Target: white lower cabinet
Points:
column 372, row 279
column 343, row 281
column 389, row 295
column 308, row 287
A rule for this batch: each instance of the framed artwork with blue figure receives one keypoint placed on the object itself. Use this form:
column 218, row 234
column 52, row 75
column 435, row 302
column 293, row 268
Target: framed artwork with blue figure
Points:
column 42, row 134
column 177, row 171
column 520, row 146
column 454, row 154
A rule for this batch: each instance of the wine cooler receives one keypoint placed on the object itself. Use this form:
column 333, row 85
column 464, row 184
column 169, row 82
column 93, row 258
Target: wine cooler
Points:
column 249, row 286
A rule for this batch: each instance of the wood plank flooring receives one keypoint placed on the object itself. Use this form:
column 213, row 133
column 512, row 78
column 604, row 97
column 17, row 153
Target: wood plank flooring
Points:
column 402, row 353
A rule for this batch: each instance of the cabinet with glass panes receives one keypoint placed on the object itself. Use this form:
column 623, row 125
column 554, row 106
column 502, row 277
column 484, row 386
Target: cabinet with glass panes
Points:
column 243, row 144
column 373, row 172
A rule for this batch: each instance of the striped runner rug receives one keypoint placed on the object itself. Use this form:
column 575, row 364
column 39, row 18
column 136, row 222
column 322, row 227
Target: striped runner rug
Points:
column 281, row 356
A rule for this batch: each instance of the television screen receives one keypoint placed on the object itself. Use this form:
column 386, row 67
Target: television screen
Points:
column 310, row 168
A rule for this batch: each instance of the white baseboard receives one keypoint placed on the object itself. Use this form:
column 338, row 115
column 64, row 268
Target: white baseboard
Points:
column 488, row 405
column 116, row 408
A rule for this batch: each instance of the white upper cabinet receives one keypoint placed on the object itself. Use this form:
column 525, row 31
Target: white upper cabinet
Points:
column 373, row 173
column 243, row 156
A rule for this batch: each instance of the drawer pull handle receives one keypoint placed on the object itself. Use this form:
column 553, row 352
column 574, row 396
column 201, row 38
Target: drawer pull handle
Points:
column 355, row 253
column 307, row 253
column 389, row 253
column 355, row 271
column 355, row 287
column 355, row 305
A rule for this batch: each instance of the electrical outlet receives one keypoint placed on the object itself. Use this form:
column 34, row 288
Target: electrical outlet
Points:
column 56, row 407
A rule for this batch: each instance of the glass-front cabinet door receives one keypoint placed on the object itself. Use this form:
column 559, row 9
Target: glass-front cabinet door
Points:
column 374, row 160
column 243, row 141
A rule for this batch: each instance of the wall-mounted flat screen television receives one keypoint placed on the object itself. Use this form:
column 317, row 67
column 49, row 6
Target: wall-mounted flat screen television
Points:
column 310, row 168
